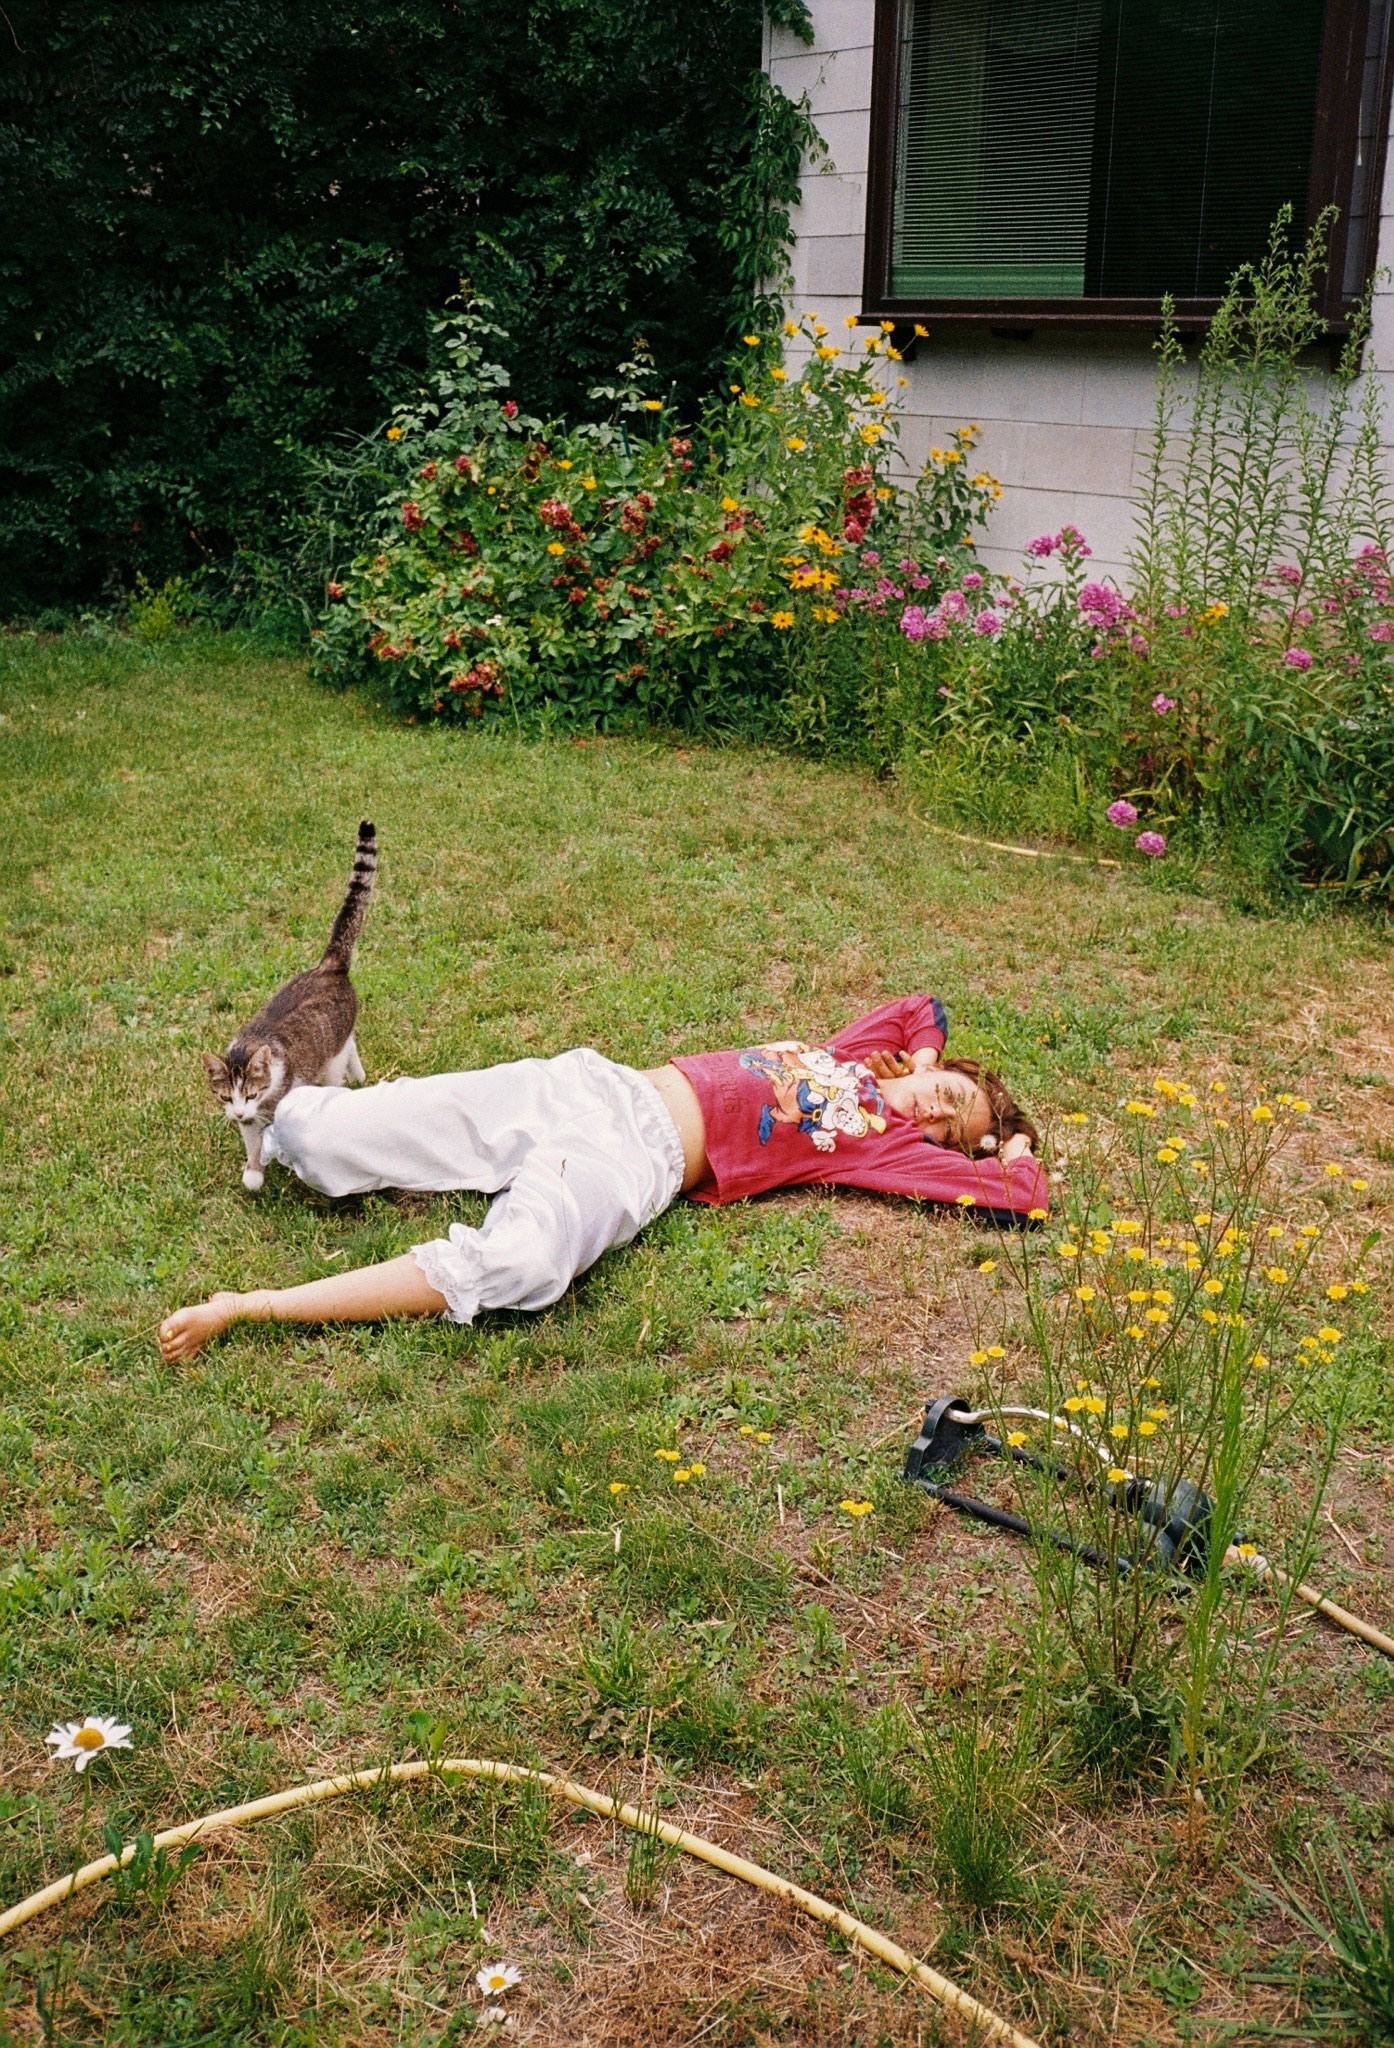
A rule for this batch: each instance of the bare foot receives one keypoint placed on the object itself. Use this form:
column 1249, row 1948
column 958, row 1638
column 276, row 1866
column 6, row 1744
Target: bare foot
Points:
column 189, row 1329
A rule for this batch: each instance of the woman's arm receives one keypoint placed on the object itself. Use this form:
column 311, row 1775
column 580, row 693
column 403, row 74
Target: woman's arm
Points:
column 912, row 1024
column 397, row 1287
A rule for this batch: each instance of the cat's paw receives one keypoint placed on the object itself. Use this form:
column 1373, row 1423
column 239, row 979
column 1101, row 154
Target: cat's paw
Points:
column 252, row 1179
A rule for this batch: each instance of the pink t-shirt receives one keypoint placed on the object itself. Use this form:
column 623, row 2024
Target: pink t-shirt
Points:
column 786, row 1114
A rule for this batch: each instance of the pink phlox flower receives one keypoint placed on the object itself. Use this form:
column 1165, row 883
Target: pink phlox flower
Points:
column 953, row 605
column 907, row 565
column 1297, row 657
column 919, row 581
column 1289, row 573
column 1175, row 611
column 1328, row 604
column 1099, row 604
column 1152, row 843
column 871, row 559
column 857, row 594
column 885, row 588
column 1043, row 546
column 986, row 623
column 1138, row 643
column 1303, row 617
column 1162, row 704
column 914, row 622
column 1383, row 629
column 1121, row 813
column 1071, row 542
column 972, row 581
column 1097, row 652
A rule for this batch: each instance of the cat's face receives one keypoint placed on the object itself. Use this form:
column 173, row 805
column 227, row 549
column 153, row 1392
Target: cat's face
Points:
column 240, row 1085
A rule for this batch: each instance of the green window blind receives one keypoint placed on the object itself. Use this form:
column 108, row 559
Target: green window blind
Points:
column 1098, row 148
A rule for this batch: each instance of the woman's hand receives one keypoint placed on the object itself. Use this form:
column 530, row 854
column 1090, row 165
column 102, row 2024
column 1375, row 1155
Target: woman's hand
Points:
column 1014, row 1148
column 889, row 1066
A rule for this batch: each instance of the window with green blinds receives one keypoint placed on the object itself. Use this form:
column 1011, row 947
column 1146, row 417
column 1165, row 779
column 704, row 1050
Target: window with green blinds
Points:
column 1079, row 149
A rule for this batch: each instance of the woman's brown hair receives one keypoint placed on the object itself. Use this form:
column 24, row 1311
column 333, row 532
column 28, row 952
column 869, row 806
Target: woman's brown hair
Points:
column 1008, row 1117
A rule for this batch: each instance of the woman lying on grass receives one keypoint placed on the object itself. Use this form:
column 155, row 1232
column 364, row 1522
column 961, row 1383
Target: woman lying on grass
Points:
column 583, row 1153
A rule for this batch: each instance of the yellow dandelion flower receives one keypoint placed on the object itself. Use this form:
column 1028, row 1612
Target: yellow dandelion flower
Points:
column 697, row 1470
column 1166, row 1157
column 1329, row 1334
column 1127, row 1227
column 977, row 1358
column 1084, row 1294
column 1016, row 1437
column 1155, row 1315
column 1118, row 1429
column 1333, row 1169
column 1068, row 1251
column 778, row 375
column 995, row 1351
column 764, row 1436
column 751, row 340
column 1208, row 1315
column 1134, row 1332
column 747, row 1429
column 394, row 433
column 618, row 1486
column 681, row 1476
column 1117, row 1475
column 857, row 1507
column 1338, row 1292
column 1074, row 1116
column 1036, row 1215
column 988, row 1266
column 1093, row 1405
column 1212, row 1286
column 1360, row 1185
column 921, row 333
column 1359, row 1286
column 1074, row 1404
column 1277, row 1274
column 669, row 1457
column 1260, row 1359
column 796, row 444
column 749, row 398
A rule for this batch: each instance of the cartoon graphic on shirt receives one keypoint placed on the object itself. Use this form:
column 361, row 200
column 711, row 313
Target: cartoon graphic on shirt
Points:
column 815, row 1091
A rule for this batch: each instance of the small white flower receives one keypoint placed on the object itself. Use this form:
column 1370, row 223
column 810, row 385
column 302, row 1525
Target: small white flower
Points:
column 496, row 1978
column 79, row 1741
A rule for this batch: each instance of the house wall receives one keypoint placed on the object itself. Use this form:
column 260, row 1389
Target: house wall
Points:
column 1065, row 415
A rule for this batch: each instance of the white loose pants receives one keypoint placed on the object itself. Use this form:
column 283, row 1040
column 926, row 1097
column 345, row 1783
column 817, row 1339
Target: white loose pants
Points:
column 581, row 1153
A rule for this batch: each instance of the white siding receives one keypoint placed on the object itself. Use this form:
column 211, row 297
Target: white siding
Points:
column 1065, row 416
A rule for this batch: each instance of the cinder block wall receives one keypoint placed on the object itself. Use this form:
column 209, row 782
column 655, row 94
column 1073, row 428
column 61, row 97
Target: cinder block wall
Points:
column 1065, row 417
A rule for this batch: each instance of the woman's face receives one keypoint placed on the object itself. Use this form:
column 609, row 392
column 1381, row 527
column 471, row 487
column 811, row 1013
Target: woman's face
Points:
column 941, row 1104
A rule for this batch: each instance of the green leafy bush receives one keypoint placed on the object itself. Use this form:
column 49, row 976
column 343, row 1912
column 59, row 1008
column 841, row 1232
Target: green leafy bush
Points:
column 624, row 567
column 230, row 224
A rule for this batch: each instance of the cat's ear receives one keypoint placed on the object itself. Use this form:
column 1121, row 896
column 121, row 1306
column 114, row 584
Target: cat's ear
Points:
column 218, row 1080
column 259, row 1069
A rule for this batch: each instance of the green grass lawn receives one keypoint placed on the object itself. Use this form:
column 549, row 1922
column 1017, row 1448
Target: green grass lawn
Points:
column 301, row 1552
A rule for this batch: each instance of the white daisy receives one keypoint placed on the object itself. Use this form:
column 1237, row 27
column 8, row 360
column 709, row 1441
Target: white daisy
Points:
column 79, row 1741
column 496, row 1978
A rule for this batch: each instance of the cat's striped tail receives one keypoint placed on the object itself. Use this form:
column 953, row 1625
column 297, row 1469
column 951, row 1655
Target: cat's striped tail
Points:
column 343, row 935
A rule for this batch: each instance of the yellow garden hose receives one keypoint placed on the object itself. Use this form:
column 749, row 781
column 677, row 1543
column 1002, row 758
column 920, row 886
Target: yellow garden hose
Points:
column 940, row 1988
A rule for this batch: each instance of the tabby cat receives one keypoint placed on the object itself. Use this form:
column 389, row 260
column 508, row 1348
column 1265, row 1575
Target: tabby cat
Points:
column 305, row 1033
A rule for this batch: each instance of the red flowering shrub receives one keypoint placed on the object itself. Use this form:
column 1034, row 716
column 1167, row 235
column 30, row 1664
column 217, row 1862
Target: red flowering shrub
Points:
column 625, row 568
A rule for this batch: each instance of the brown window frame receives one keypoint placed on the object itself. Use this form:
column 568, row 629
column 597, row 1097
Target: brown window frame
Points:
column 1340, row 84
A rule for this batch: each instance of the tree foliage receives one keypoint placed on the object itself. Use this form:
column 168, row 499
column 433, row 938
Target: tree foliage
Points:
column 231, row 224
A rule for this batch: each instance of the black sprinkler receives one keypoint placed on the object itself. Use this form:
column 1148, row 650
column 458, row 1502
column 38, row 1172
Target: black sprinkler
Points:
column 1177, row 1516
